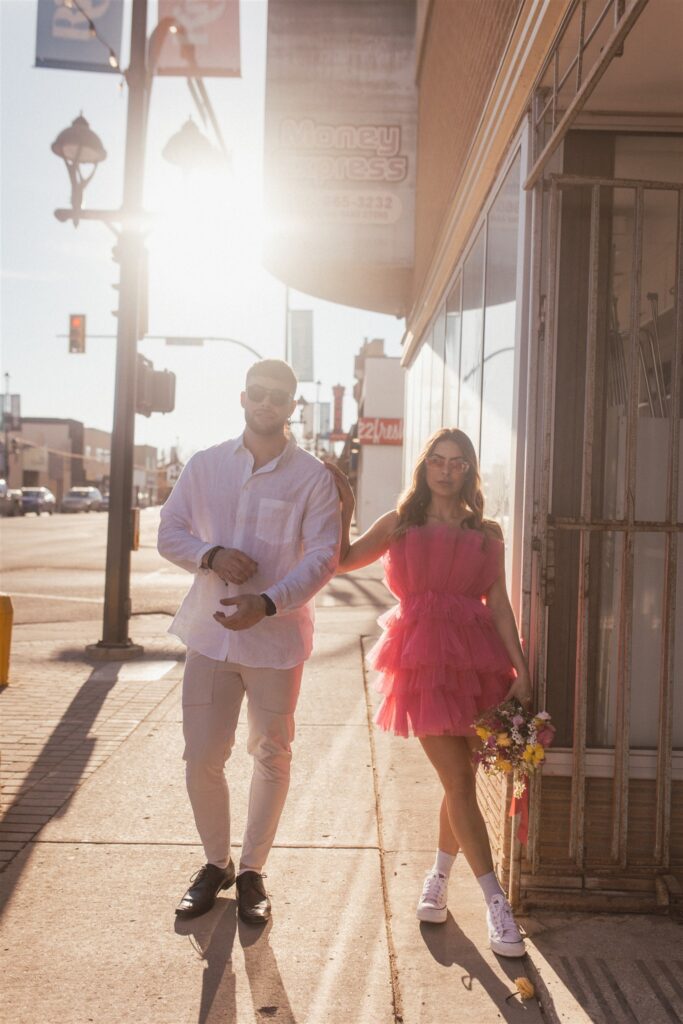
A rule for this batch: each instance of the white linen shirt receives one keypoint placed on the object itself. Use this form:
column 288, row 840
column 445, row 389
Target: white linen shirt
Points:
column 285, row 516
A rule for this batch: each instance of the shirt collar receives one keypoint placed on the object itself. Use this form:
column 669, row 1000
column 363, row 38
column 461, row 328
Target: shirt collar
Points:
column 284, row 455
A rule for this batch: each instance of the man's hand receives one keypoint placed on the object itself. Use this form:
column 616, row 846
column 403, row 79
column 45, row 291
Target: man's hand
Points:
column 234, row 566
column 251, row 608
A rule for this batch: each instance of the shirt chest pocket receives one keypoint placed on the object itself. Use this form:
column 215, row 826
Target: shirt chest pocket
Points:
column 275, row 520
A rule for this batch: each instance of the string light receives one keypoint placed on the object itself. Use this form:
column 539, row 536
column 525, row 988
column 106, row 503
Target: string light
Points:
column 113, row 60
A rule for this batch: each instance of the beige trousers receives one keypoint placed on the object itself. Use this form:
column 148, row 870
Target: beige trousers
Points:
column 212, row 696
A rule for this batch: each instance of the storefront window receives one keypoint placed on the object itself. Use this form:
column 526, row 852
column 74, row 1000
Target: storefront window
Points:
column 427, row 357
column 436, row 393
column 451, row 393
column 497, row 430
column 412, row 424
column 469, row 412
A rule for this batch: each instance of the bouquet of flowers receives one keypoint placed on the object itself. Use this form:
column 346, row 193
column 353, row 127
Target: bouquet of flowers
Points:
column 514, row 741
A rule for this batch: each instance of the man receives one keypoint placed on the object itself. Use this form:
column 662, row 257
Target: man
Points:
column 256, row 519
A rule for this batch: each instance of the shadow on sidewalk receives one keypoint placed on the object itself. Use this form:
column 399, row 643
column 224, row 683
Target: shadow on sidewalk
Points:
column 213, row 937
column 450, row 947
column 59, row 768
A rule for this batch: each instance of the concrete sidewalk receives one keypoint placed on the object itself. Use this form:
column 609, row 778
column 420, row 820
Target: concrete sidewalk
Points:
column 98, row 843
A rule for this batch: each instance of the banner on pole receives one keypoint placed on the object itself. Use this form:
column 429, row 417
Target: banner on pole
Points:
column 64, row 38
column 209, row 44
column 11, row 412
column 340, row 149
column 301, row 343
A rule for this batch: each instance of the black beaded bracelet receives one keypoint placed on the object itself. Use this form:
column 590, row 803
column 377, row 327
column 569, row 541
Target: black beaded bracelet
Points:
column 212, row 554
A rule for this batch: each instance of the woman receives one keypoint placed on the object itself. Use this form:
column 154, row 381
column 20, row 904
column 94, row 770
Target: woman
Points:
column 449, row 650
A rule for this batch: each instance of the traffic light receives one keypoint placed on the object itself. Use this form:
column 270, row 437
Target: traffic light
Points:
column 77, row 332
column 155, row 389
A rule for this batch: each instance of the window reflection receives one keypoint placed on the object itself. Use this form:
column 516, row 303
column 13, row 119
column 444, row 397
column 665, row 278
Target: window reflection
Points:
column 469, row 413
column 452, row 357
column 499, row 349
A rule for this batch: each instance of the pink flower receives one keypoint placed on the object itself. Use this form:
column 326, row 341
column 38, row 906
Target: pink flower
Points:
column 543, row 714
column 546, row 735
column 518, row 720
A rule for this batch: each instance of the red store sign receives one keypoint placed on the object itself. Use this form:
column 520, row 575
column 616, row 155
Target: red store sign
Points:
column 380, row 430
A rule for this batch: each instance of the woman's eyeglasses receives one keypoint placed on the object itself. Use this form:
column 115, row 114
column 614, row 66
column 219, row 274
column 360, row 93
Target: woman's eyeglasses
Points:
column 458, row 464
column 276, row 396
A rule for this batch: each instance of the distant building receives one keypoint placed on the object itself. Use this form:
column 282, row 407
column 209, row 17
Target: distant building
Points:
column 97, row 457
column 168, row 471
column 63, row 453
column 379, row 432
column 145, row 485
column 50, row 453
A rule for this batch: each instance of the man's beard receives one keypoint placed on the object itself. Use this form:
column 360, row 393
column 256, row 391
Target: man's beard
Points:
column 263, row 428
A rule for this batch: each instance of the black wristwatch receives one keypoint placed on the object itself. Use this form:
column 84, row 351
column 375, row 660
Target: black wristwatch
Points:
column 270, row 605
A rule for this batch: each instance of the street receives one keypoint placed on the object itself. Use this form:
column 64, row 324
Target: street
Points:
column 53, row 569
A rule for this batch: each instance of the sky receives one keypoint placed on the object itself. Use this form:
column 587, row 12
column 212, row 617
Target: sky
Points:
column 206, row 277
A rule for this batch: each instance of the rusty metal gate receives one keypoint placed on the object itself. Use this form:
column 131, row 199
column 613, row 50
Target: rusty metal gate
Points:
column 606, row 560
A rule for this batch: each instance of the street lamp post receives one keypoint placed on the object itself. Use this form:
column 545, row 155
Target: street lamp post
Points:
column 115, row 642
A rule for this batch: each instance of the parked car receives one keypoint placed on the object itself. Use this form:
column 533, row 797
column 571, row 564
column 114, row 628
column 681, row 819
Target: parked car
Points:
column 82, row 499
column 104, row 507
column 38, row 499
column 10, row 501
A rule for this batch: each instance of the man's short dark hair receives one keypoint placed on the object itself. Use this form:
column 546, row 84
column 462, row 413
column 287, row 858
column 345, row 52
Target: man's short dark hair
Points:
column 276, row 368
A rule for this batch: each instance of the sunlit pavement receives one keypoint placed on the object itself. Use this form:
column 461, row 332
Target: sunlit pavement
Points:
column 98, row 841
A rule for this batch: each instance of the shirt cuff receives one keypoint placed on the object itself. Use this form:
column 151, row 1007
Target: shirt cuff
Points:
column 272, row 594
column 200, row 554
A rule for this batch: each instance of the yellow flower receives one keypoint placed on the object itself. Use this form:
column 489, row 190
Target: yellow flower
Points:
column 528, row 754
column 503, row 740
column 502, row 765
column 539, row 753
column 482, row 733
column 525, row 988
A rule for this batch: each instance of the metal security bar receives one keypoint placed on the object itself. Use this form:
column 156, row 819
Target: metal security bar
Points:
column 590, row 524
column 561, row 93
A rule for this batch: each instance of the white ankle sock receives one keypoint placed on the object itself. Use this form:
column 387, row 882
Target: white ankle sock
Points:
column 444, row 862
column 490, row 886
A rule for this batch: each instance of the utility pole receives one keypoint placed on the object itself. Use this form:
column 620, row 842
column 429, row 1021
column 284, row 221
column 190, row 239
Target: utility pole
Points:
column 7, row 408
column 115, row 642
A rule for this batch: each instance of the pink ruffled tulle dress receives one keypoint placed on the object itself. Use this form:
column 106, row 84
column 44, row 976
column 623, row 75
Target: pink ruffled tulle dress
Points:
column 440, row 659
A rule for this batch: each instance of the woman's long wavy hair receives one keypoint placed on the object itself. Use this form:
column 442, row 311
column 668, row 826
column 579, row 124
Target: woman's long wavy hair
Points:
column 413, row 503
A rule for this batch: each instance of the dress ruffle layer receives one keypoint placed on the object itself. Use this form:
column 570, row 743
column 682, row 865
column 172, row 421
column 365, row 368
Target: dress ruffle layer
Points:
column 441, row 661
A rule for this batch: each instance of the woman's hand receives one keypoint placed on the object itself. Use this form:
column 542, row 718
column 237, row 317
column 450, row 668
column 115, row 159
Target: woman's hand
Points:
column 522, row 690
column 346, row 495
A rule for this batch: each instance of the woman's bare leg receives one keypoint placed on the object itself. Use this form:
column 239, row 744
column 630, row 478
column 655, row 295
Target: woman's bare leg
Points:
column 451, row 757
column 447, row 841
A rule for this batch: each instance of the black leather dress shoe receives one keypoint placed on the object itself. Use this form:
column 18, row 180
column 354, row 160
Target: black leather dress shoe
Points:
column 253, row 904
column 206, row 885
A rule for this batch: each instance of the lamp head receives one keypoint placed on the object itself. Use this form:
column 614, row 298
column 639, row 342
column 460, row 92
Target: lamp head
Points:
column 78, row 144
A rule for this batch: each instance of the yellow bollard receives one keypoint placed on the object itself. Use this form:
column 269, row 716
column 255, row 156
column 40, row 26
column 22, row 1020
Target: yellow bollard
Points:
column 135, row 529
column 6, row 617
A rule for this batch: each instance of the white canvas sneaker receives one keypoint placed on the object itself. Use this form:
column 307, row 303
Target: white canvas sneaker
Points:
column 504, row 934
column 432, row 903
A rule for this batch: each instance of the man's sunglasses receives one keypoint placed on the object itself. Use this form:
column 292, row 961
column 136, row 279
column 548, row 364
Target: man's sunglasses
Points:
column 276, row 396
